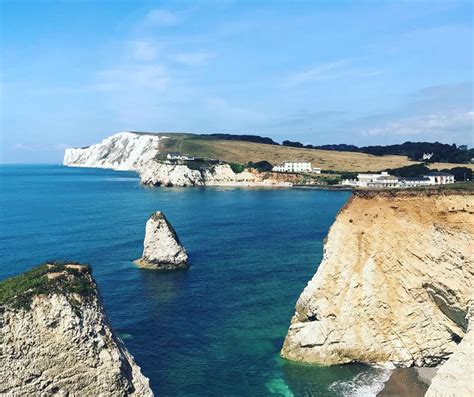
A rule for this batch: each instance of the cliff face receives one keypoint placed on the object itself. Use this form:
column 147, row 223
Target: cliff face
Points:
column 163, row 173
column 454, row 378
column 55, row 338
column 394, row 284
column 124, row 151
column 162, row 249
column 128, row 151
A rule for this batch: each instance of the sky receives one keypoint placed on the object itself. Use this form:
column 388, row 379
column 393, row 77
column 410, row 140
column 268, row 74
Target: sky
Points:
column 319, row 72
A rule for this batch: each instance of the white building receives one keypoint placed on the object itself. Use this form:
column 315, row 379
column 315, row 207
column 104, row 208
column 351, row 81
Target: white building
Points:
column 178, row 156
column 293, row 166
column 440, row 178
column 427, row 156
column 413, row 181
column 317, row 170
column 373, row 180
column 385, row 180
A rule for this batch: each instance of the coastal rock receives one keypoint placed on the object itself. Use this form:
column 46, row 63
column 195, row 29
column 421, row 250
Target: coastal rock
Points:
column 162, row 248
column 394, row 283
column 56, row 339
column 125, row 151
column 455, row 377
column 165, row 173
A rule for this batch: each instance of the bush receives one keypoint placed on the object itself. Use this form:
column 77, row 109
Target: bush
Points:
column 237, row 168
column 260, row 165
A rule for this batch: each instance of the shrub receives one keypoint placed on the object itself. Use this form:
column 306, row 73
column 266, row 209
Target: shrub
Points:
column 237, row 168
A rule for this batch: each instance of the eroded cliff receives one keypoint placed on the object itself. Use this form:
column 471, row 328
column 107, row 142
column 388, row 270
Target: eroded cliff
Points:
column 55, row 338
column 125, row 151
column 394, row 285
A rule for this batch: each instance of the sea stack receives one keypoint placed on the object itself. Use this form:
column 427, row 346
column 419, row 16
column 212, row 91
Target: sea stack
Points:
column 162, row 249
column 55, row 338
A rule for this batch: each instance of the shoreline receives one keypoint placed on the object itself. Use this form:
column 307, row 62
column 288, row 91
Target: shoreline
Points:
column 413, row 382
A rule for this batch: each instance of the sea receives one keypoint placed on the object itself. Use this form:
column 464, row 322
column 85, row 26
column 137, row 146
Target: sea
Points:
column 215, row 329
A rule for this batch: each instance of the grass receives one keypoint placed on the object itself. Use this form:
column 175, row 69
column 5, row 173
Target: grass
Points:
column 18, row 292
column 243, row 152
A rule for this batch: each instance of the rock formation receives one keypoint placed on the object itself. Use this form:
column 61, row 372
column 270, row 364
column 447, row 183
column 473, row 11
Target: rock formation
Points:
column 455, row 377
column 55, row 338
column 165, row 173
column 162, row 249
column 394, row 284
column 125, row 151
column 129, row 151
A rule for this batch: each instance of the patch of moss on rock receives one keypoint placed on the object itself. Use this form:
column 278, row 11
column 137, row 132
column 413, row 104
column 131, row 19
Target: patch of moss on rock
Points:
column 68, row 278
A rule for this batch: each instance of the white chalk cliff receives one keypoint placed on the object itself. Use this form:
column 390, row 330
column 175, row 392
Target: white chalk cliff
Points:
column 162, row 249
column 394, row 284
column 165, row 173
column 55, row 338
column 125, row 151
column 129, row 151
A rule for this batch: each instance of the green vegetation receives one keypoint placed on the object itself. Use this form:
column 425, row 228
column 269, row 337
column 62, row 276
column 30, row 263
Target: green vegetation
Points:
column 460, row 173
column 17, row 292
column 327, row 180
column 261, row 166
column 440, row 152
column 237, row 168
column 410, row 170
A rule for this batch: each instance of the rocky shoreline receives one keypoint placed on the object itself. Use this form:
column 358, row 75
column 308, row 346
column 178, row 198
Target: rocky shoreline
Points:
column 56, row 338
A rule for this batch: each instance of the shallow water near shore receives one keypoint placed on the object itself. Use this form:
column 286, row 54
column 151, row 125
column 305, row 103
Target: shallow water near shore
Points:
column 215, row 329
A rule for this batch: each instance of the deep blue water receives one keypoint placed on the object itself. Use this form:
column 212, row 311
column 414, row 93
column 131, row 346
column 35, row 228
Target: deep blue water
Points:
column 213, row 330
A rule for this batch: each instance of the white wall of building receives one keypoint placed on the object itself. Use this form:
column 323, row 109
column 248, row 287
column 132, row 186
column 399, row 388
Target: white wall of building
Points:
column 293, row 166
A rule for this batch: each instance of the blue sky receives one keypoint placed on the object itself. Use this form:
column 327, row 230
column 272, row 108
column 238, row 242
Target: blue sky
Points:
column 359, row 72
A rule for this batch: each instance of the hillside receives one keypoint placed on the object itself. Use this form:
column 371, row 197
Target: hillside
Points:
column 243, row 152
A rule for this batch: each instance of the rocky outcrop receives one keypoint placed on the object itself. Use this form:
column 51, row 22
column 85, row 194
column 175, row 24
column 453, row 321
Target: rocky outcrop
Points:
column 55, row 338
column 394, row 283
column 162, row 249
column 455, row 377
column 167, row 173
column 125, row 151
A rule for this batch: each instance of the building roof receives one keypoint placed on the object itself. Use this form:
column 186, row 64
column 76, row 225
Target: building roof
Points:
column 436, row 173
column 416, row 178
column 387, row 177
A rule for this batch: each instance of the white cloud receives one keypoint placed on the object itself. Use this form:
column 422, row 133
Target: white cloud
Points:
column 341, row 69
column 193, row 58
column 143, row 50
column 161, row 17
column 435, row 124
column 150, row 76
column 441, row 113
column 320, row 72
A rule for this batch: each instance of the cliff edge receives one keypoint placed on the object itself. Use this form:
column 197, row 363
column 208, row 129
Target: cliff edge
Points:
column 394, row 284
column 55, row 338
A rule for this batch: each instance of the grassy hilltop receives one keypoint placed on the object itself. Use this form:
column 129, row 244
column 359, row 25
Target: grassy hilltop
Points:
column 242, row 152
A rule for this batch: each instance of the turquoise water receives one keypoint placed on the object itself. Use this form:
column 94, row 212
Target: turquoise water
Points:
column 213, row 330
